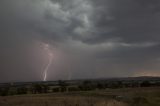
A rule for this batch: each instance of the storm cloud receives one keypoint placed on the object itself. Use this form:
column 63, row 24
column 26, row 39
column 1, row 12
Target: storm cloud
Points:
column 89, row 38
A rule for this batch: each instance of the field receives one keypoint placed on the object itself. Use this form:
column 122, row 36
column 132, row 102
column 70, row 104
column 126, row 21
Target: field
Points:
column 149, row 96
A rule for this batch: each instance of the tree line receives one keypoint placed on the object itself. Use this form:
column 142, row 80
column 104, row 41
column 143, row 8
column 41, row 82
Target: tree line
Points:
column 63, row 86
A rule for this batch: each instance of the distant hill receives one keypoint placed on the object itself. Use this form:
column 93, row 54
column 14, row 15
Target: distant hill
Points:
column 150, row 78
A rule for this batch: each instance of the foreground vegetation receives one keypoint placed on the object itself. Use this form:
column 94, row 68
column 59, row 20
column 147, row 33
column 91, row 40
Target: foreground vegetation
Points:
column 143, row 91
column 149, row 96
column 70, row 86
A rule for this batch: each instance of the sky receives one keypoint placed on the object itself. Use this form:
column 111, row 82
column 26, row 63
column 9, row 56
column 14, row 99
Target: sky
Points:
column 86, row 38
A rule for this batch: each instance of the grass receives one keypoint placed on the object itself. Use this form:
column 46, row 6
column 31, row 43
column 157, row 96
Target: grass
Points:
column 108, row 97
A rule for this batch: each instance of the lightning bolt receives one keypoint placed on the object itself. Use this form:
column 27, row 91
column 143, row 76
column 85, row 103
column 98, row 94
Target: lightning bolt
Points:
column 47, row 67
column 50, row 56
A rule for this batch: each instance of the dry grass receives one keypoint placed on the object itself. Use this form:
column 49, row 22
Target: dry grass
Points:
column 131, row 97
column 58, row 101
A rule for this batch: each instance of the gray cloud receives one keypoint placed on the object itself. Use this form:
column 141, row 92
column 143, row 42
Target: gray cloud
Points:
column 89, row 38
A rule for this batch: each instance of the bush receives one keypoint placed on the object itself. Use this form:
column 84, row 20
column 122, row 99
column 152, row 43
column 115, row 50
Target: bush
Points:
column 39, row 88
column 86, row 86
column 145, row 84
column 73, row 89
column 22, row 90
column 56, row 89
column 100, row 86
column 4, row 91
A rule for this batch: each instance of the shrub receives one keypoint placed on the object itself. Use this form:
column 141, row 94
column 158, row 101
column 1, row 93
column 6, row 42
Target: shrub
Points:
column 145, row 84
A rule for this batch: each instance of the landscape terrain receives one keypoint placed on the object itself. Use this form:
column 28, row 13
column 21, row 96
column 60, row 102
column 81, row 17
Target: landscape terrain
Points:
column 137, row 91
column 79, row 52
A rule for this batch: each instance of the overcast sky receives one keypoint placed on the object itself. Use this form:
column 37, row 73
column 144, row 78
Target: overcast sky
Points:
column 88, row 39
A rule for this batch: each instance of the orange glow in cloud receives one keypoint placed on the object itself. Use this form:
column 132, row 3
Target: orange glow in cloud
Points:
column 147, row 73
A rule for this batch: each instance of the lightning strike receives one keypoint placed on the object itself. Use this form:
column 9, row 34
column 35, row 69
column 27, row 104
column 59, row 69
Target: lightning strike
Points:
column 50, row 56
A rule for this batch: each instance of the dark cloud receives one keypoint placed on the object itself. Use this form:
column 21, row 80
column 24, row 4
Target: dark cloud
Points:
column 89, row 38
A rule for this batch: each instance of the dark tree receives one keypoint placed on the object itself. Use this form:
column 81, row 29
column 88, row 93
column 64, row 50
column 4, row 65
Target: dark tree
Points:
column 86, row 85
column 63, row 85
column 45, row 88
column 37, row 88
column 4, row 91
column 145, row 84
column 100, row 86
column 22, row 90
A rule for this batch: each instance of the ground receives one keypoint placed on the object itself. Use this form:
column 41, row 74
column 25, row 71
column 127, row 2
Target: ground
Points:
column 110, row 97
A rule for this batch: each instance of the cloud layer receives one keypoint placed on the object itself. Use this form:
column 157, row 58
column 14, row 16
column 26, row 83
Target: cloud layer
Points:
column 89, row 38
